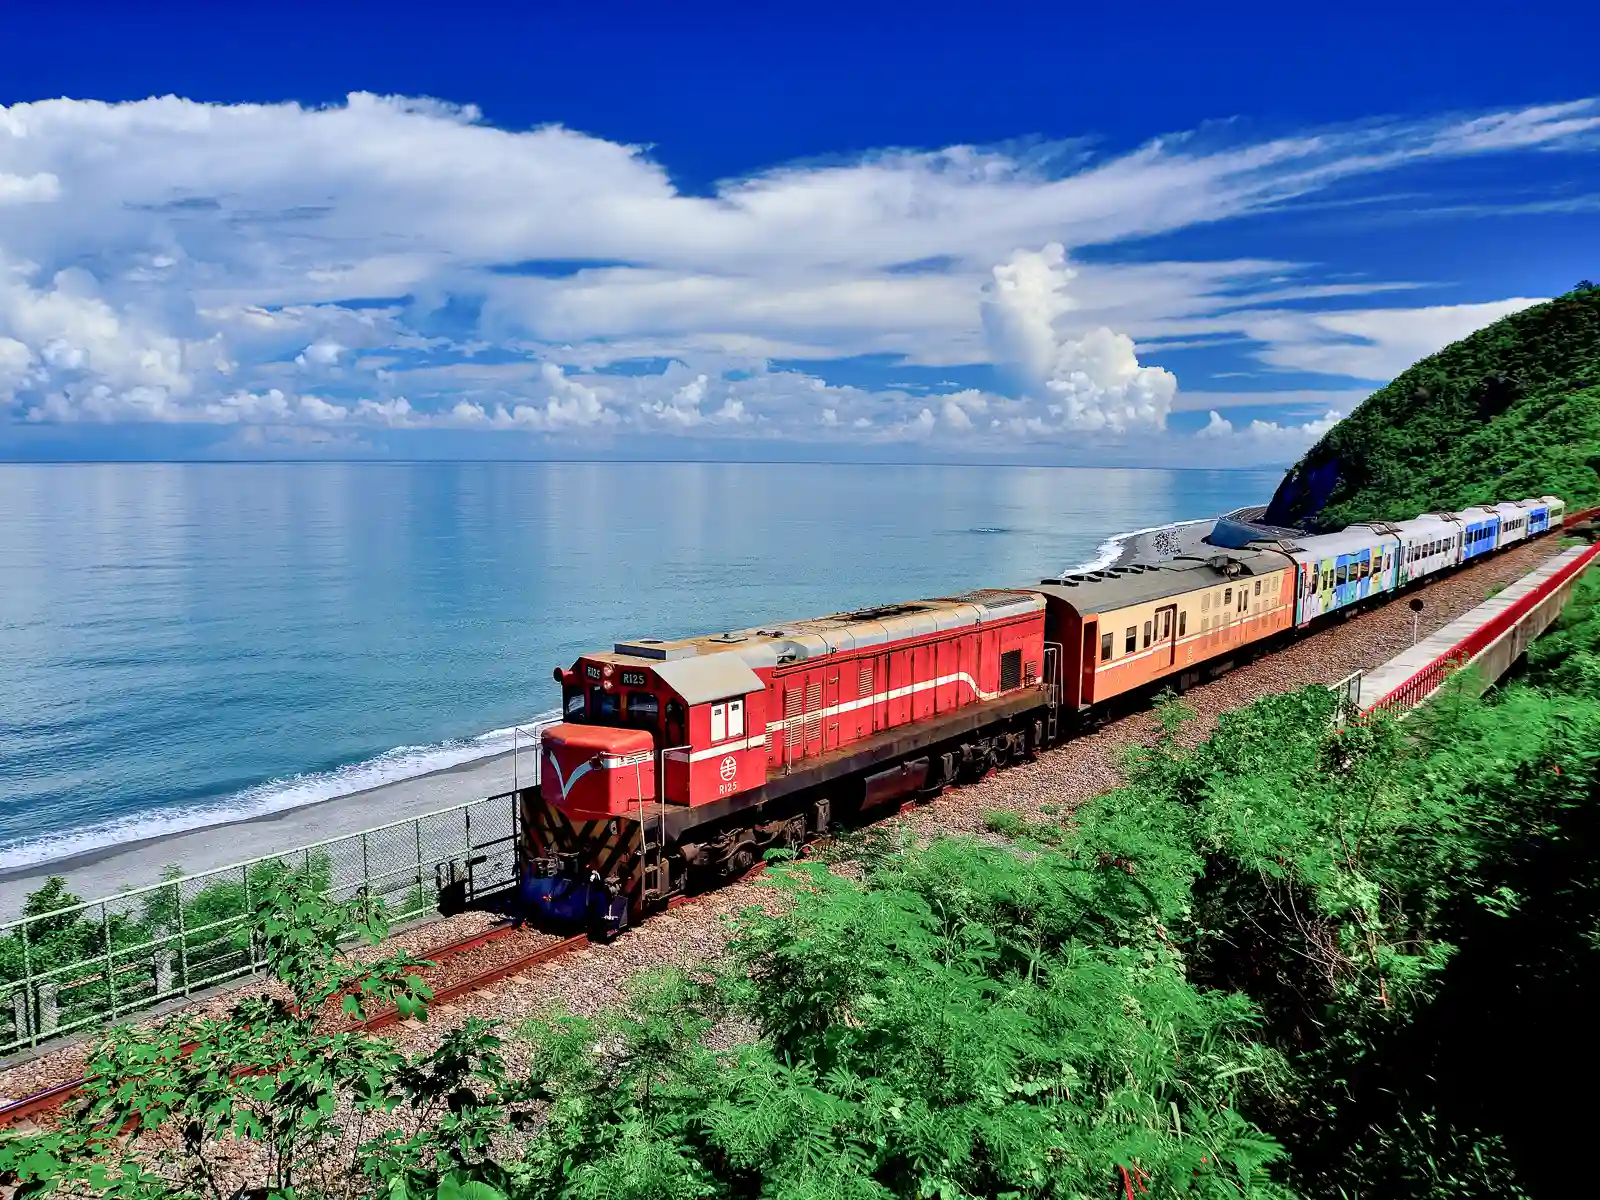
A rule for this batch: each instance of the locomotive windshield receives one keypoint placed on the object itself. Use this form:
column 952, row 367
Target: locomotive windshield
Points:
column 602, row 706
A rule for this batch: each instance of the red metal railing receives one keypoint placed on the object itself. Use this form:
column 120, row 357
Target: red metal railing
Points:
column 1426, row 681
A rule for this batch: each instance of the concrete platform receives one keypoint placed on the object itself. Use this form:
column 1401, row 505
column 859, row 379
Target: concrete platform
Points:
column 1410, row 678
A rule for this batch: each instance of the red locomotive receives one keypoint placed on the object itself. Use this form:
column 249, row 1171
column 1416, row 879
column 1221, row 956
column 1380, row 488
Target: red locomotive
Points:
column 679, row 762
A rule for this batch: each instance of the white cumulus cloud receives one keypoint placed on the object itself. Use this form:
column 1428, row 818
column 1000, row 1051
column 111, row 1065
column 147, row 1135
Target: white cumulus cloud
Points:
column 1264, row 441
column 1092, row 381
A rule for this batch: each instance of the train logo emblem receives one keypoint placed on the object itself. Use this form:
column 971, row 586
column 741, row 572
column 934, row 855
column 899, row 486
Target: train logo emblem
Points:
column 728, row 768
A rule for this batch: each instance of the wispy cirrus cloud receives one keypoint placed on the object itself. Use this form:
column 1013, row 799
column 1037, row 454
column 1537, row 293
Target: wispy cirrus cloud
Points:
column 395, row 263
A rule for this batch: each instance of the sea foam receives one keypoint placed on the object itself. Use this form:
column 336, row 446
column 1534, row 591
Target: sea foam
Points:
column 1111, row 549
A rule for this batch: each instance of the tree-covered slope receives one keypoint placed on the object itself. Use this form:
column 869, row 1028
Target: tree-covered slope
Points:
column 1511, row 411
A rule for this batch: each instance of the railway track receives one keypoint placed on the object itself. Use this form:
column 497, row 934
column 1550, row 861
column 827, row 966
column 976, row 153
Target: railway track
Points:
column 456, row 969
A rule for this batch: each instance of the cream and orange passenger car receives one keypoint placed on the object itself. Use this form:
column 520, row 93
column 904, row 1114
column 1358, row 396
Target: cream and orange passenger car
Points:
column 1131, row 626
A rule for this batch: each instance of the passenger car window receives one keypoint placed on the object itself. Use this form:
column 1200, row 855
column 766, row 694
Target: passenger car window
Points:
column 1105, row 647
column 1131, row 640
column 1183, row 620
column 1147, row 634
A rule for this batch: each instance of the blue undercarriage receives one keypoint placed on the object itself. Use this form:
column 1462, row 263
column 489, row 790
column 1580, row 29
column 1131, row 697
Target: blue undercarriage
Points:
column 559, row 897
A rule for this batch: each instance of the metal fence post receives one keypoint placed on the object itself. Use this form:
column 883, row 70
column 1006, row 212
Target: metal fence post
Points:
column 366, row 874
column 250, row 928
column 183, row 940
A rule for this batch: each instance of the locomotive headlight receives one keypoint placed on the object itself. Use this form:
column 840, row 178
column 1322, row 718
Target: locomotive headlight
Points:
column 608, row 670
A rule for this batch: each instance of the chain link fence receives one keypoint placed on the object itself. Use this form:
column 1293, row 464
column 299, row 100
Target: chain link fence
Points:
column 88, row 964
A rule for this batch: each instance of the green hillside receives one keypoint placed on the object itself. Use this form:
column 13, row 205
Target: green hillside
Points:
column 1511, row 411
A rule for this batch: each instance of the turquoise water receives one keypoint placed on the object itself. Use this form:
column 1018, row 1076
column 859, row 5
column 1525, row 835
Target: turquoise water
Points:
column 186, row 643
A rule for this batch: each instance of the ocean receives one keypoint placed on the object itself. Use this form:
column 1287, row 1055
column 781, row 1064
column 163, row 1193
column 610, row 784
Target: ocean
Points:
column 186, row 644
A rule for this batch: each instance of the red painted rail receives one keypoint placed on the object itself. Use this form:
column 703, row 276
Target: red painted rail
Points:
column 1427, row 681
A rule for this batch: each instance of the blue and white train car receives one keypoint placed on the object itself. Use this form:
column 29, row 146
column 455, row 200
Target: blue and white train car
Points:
column 1513, row 524
column 1538, row 516
column 1337, row 570
column 1558, row 510
column 1482, row 531
column 1428, row 544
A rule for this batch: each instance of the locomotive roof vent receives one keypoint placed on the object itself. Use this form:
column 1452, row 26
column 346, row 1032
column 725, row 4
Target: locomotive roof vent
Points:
column 654, row 648
column 729, row 638
column 883, row 611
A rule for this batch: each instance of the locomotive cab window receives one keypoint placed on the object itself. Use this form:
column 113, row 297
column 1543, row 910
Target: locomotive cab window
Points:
column 719, row 722
column 604, row 705
column 727, row 720
column 1105, row 647
column 643, row 709
column 572, row 704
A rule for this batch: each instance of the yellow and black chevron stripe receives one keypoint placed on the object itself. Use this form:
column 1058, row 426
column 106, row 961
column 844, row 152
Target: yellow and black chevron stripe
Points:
column 612, row 846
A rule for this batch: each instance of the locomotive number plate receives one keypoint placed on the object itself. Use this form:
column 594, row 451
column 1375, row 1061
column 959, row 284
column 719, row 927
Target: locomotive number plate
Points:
column 635, row 679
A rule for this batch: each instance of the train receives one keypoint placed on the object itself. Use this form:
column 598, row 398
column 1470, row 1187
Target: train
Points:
column 678, row 763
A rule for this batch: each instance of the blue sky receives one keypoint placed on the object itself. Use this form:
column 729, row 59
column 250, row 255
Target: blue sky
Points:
column 1148, row 236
